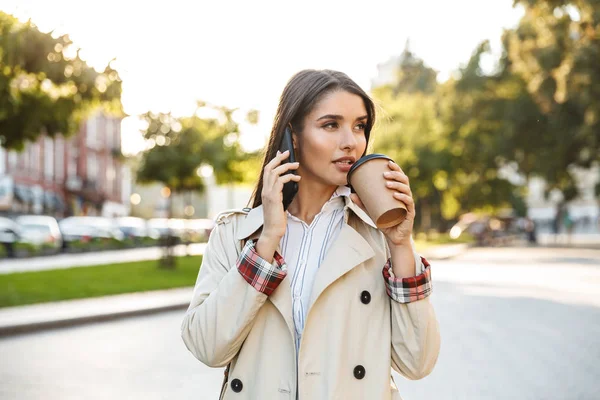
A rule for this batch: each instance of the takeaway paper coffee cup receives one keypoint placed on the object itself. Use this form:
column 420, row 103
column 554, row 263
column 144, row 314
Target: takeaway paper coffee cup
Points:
column 366, row 177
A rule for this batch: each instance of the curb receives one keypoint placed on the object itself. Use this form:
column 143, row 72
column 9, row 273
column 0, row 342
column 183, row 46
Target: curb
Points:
column 24, row 327
column 17, row 329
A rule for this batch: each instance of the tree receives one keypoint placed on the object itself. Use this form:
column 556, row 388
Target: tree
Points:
column 178, row 147
column 42, row 89
column 427, row 129
column 555, row 50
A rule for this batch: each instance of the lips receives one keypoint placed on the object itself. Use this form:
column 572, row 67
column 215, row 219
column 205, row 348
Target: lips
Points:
column 345, row 160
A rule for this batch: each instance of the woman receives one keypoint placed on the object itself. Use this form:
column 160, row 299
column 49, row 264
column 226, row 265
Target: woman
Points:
column 314, row 302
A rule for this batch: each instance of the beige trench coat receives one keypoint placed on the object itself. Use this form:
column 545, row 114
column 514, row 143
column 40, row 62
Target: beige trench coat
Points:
column 347, row 347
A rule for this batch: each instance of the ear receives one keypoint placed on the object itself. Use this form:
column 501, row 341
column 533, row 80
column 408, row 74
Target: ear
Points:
column 294, row 140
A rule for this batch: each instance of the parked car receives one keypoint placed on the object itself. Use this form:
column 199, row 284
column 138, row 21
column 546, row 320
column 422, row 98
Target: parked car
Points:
column 198, row 230
column 42, row 231
column 137, row 230
column 165, row 227
column 90, row 233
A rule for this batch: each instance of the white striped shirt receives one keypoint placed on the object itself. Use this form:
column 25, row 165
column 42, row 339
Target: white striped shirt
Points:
column 304, row 247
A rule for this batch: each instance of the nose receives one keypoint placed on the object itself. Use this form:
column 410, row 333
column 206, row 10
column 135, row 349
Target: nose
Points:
column 347, row 139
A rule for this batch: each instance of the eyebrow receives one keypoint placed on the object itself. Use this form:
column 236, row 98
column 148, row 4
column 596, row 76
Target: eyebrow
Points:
column 339, row 117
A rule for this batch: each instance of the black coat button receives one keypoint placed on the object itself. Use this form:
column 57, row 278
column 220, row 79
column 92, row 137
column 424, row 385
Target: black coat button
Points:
column 365, row 297
column 237, row 385
column 359, row 372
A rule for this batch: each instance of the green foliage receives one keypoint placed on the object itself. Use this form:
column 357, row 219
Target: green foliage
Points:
column 179, row 146
column 102, row 280
column 555, row 50
column 42, row 89
column 429, row 130
column 537, row 114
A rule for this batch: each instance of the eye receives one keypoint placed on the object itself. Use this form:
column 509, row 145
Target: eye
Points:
column 330, row 125
column 361, row 126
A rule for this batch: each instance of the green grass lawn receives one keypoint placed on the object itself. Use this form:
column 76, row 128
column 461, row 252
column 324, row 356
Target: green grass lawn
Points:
column 76, row 283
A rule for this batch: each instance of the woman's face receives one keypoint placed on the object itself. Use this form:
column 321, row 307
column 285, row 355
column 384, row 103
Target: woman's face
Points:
column 333, row 138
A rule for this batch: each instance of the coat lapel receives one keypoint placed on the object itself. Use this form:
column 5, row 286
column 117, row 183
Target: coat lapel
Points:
column 282, row 300
column 282, row 296
column 348, row 250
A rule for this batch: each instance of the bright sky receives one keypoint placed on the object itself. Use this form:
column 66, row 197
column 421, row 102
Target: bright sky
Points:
column 241, row 53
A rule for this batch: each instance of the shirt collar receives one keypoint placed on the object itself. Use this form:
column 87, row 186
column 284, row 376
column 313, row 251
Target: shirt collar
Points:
column 254, row 219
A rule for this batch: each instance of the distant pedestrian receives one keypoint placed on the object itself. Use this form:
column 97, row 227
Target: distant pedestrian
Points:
column 556, row 222
column 313, row 302
column 569, row 225
column 530, row 230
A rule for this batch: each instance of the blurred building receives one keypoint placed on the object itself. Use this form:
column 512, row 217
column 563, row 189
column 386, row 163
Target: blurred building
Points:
column 387, row 72
column 152, row 201
column 583, row 210
column 80, row 175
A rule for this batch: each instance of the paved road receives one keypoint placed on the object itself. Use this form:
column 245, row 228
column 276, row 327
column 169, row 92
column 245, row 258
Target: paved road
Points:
column 516, row 324
column 95, row 258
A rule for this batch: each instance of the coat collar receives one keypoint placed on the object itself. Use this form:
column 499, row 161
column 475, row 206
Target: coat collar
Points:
column 254, row 219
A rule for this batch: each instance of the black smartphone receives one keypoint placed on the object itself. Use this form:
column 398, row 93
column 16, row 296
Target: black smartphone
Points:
column 290, row 188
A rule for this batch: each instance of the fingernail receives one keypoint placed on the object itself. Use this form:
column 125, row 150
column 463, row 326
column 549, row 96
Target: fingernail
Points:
column 388, row 183
column 386, row 174
column 278, row 152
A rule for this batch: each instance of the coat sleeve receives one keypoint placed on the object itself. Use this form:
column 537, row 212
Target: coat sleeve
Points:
column 415, row 330
column 224, row 304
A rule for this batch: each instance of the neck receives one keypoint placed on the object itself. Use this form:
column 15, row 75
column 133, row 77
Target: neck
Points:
column 309, row 200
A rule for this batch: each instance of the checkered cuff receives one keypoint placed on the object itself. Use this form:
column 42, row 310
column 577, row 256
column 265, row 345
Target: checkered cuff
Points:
column 263, row 276
column 410, row 289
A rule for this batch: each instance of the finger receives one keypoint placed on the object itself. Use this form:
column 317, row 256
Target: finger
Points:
column 394, row 167
column 285, row 179
column 280, row 170
column 268, row 178
column 399, row 186
column 279, row 157
column 396, row 175
column 407, row 200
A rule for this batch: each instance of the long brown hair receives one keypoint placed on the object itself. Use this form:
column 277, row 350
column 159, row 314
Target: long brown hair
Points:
column 298, row 99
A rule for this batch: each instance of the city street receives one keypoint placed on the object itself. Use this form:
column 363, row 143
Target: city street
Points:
column 516, row 323
column 59, row 261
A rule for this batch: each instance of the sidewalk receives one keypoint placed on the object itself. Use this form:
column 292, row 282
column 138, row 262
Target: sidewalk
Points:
column 62, row 261
column 21, row 319
column 30, row 318
column 444, row 252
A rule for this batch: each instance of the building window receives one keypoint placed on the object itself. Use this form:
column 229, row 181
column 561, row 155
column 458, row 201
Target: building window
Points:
column 34, row 160
column 91, row 137
column 24, row 160
column 72, row 165
column 110, row 133
column 59, row 159
column 13, row 158
column 92, row 167
column 110, row 178
column 3, row 158
column 48, row 158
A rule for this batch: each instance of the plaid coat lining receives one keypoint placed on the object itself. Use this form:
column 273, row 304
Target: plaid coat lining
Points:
column 266, row 277
column 262, row 275
column 410, row 289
